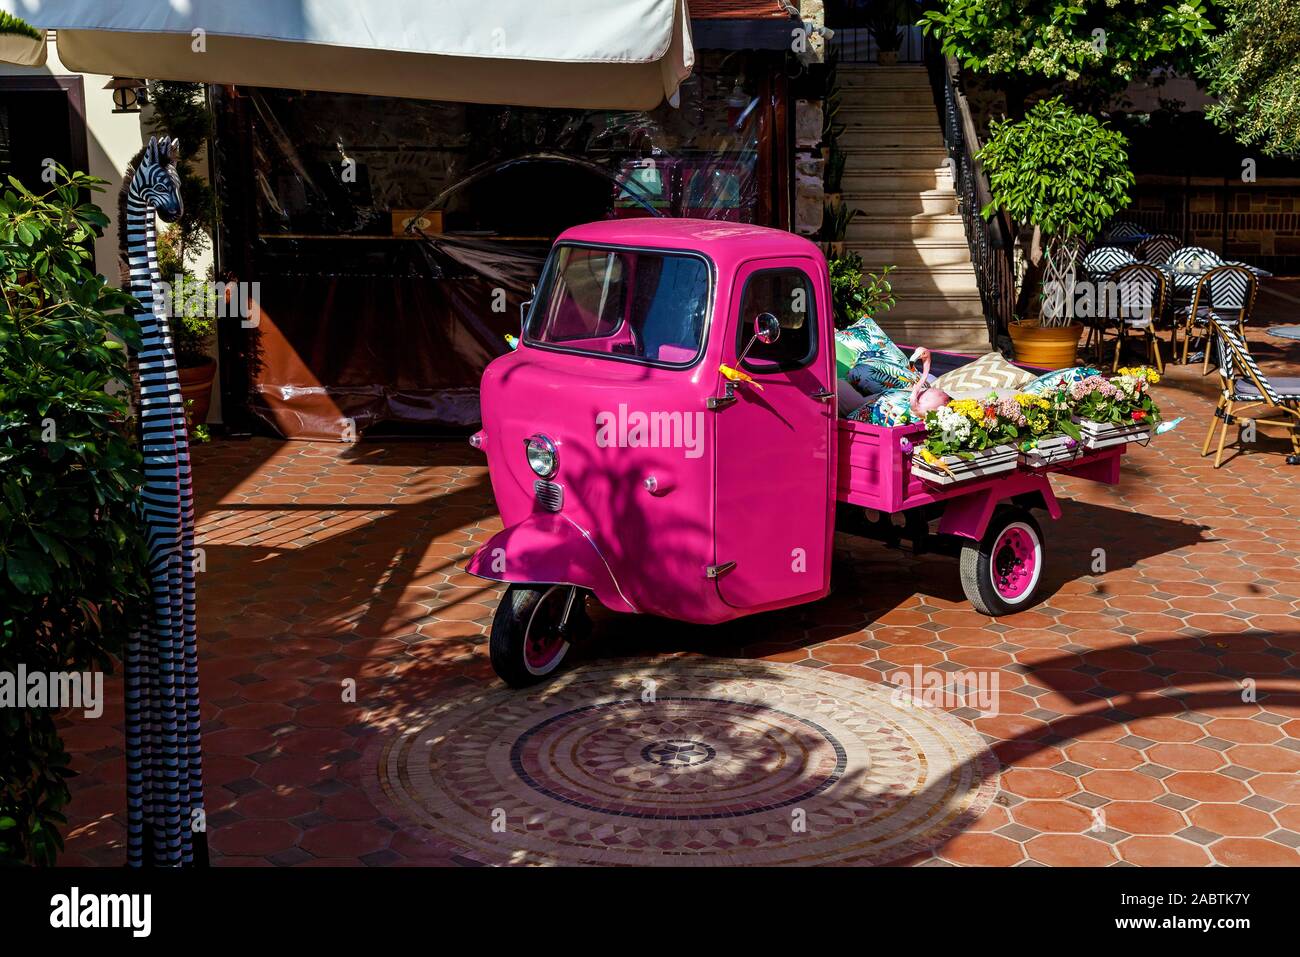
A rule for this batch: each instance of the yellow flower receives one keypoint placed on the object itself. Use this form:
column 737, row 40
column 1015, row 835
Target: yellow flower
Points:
column 969, row 408
column 1142, row 372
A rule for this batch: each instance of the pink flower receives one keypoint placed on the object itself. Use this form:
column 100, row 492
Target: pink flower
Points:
column 1010, row 410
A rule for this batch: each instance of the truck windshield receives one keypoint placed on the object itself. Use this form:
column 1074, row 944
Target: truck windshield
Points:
column 634, row 304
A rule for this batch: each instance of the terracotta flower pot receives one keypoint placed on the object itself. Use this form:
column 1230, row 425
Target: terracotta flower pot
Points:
column 1051, row 347
column 196, row 385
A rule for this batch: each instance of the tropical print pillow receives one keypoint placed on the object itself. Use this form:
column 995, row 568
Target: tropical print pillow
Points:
column 1051, row 381
column 863, row 339
column 890, row 408
column 878, row 373
column 846, row 356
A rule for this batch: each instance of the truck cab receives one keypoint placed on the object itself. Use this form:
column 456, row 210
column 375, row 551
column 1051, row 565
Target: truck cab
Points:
column 646, row 446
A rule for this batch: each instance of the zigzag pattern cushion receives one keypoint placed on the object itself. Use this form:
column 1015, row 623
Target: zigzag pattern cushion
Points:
column 988, row 373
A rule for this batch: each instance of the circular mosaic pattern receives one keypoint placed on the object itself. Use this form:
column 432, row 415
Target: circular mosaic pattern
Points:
column 685, row 761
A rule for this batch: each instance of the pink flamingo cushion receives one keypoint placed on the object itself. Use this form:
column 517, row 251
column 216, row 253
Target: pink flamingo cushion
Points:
column 925, row 400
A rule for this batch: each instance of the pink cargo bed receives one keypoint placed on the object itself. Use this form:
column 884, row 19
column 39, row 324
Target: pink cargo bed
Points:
column 875, row 473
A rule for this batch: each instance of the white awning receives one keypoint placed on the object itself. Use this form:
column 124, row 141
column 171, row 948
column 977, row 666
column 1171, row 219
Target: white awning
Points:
column 590, row 54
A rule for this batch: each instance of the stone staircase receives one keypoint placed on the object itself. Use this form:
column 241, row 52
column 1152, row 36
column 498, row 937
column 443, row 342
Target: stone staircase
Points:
column 894, row 172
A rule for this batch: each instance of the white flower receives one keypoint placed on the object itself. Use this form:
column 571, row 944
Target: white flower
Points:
column 954, row 428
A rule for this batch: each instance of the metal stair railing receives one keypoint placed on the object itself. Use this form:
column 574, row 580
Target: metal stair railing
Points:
column 990, row 240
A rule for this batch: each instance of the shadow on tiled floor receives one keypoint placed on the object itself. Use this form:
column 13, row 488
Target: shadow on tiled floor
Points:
column 1122, row 728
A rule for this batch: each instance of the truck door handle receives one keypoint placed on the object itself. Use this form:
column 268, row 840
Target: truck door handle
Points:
column 822, row 395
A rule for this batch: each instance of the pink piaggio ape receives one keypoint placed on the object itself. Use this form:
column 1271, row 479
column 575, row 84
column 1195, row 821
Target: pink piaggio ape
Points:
column 665, row 441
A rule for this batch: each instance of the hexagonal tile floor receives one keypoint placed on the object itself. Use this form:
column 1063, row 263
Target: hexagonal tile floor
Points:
column 684, row 762
column 1147, row 711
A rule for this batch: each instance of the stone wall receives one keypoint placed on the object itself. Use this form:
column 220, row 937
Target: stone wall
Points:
column 1262, row 219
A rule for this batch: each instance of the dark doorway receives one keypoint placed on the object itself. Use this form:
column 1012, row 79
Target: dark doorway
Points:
column 42, row 118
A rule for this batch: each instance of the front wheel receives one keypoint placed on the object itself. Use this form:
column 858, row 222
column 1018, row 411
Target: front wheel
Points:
column 1001, row 573
column 530, row 634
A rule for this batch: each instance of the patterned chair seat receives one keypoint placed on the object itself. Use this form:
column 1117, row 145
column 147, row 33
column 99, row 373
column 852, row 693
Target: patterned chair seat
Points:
column 1286, row 387
column 1203, row 315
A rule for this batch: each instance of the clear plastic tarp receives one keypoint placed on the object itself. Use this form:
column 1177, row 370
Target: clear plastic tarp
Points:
column 393, row 241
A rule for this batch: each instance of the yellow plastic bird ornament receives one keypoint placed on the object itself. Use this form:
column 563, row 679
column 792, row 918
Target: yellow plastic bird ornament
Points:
column 735, row 375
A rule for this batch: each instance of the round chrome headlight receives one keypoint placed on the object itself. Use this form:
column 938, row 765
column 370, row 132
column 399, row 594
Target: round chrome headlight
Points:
column 543, row 458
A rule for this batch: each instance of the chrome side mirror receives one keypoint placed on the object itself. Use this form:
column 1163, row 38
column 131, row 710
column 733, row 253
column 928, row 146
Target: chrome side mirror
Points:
column 767, row 329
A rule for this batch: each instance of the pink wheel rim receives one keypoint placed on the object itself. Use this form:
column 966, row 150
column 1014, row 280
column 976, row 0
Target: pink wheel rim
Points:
column 543, row 643
column 1015, row 562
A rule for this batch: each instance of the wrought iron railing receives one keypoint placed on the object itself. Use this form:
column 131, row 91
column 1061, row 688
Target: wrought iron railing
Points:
column 991, row 241
column 853, row 43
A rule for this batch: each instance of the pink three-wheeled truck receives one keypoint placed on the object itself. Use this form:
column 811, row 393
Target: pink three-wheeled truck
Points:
column 665, row 440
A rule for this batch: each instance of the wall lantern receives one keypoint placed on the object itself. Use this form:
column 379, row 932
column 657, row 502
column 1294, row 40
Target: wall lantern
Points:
column 129, row 94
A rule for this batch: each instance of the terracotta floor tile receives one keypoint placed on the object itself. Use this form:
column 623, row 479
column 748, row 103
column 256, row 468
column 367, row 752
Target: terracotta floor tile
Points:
column 1253, row 852
column 1142, row 817
column 982, row 850
column 1204, row 786
column 1058, row 816
column 1162, row 852
column 329, row 562
column 1232, row 819
column 1070, row 850
column 1122, row 785
column 1186, row 757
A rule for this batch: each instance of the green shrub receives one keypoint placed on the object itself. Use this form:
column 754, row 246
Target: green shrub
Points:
column 1062, row 171
column 72, row 546
column 855, row 294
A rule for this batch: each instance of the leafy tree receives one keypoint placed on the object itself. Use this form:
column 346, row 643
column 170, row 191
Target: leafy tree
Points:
column 1064, row 40
column 1064, row 172
column 72, row 546
column 1103, row 43
column 1253, row 67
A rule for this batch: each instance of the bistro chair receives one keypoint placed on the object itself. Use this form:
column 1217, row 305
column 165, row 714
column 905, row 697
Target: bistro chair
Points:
column 1124, row 232
column 1104, row 260
column 1157, row 249
column 1196, row 259
column 1225, row 293
column 1132, row 300
column 1242, row 382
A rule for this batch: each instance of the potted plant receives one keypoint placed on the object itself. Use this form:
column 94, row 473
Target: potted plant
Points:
column 967, row 439
column 835, row 225
column 884, row 23
column 1052, row 436
column 192, row 314
column 1115, row 410
column 855, row 294
column 180, row 111
column 1066, row 174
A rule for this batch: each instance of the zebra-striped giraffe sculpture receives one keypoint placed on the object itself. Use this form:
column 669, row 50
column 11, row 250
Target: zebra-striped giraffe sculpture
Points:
column 164, row 778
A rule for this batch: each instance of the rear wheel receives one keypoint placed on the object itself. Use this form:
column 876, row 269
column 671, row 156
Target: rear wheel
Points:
column 530, row 635
column 1001, row 573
